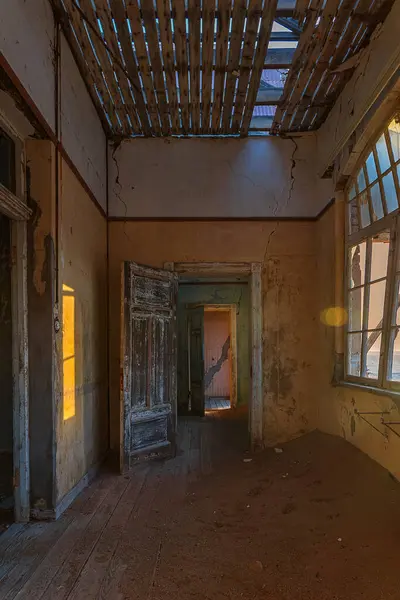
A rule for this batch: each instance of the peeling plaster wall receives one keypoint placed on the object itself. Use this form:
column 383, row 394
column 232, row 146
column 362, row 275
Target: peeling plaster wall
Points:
column 255, row 177
column 378, row 65
column 27, row 42
column 82, row 438
column 337, row 405
column 289, row 302
column 82, row 133
column 40, row 156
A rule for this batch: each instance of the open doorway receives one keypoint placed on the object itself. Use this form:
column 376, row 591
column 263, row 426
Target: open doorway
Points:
column 208, row 274
column 214, row 362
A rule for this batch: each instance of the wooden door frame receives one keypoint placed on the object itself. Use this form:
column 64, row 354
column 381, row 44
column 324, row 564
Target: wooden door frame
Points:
column 232, row 309
column 253, row 271
column 14, row 207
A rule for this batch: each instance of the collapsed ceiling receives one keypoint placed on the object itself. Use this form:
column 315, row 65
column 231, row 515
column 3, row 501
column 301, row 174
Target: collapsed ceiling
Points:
column 216, row 67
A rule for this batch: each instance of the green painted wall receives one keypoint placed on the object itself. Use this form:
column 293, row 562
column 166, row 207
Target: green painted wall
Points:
column 221, row 293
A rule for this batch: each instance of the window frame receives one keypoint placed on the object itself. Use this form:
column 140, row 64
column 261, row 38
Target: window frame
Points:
column 389, row 222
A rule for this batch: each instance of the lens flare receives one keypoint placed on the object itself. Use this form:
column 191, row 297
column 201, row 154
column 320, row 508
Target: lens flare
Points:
column 334, row 316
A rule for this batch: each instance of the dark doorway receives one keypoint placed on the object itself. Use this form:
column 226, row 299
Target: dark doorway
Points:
column 6, row 376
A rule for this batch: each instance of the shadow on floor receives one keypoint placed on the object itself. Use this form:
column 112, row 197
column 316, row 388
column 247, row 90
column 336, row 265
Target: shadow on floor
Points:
column 318, row 521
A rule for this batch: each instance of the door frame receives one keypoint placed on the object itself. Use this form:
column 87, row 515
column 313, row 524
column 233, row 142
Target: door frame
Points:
column 253, row 271
column 232, row 309
column 14, row 207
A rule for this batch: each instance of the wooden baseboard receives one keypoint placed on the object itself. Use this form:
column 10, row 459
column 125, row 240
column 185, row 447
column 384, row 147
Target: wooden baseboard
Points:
column 52, row 514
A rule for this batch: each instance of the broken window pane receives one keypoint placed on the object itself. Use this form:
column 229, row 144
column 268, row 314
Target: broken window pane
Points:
column 394, row 133
column 364, row 209
column 357, row 264
column 376, row 304
column 396, row 312
column 376, row 201
column 354, row 354
column 373, row 353
column 354, row 220
column 371, row 168
column 362, row 184
column 394, row 355
column 390, row 192
column 356, row 309
column 380, row 255
column 383, row 155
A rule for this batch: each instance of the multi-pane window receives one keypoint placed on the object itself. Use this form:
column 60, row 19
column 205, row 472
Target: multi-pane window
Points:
column 373, row 265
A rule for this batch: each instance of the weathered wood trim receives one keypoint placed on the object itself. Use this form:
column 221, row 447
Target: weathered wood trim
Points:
column 12, row 206
column 53, row 514
column 20, row 371
column 211, row 268
column 234, row 353
column 256, row 415
column 125, row 370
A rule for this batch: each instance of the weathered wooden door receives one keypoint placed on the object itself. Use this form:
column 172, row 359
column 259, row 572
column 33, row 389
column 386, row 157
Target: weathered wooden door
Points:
column 196, row 359
column 148, row 378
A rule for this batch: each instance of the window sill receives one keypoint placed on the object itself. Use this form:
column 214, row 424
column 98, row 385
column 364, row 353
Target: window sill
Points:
column 371, row 390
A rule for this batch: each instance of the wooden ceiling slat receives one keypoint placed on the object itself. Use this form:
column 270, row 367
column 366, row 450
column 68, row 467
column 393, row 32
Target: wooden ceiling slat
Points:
column 267, row 20
column 182, row 61
column 223, row 18
column 253, row 20
column 135, row 19
column 133, row 53
column 238, row 18
column 119, row 16
column 107, row 67
column 164, row 20
column 194, row 63
column 311, row 54
column 207, row 62
column 149, row 20
column 299, row 60
column 92, row 62
column 83, row 66
column 336, row 82
column 322, row 64
column 109, row 33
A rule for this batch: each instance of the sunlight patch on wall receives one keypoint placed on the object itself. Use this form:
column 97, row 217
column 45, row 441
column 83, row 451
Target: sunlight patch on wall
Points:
column 69, row 351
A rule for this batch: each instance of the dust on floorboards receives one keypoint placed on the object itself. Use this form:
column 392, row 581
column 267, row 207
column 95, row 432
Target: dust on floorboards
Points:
column 319, row 520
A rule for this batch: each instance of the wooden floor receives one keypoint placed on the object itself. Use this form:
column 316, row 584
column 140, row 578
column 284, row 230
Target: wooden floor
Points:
column 217, row 403
column 316, row 521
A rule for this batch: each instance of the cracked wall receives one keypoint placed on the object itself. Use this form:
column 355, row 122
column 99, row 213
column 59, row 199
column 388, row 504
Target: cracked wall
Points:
column 378, row 68
column 217, row 344
column 336, row 404
column 289, row 304
column 247, row 178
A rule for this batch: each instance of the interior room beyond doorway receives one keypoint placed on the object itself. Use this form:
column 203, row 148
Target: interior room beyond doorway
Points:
column 220, row 353
column 213, row 345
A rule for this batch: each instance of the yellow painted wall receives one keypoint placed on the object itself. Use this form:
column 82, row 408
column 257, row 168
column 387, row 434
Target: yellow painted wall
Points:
column 288, row 251
column 337, row 405
column 82, row 426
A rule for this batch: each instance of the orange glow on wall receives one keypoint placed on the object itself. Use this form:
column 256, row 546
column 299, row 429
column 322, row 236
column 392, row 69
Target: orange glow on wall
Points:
column 68, row 352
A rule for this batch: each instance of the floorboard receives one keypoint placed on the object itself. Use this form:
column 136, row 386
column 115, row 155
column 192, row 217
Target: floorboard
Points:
column 315, row 522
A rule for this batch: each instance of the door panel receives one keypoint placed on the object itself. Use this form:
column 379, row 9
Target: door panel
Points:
column 196, row 359
column 148, row 354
